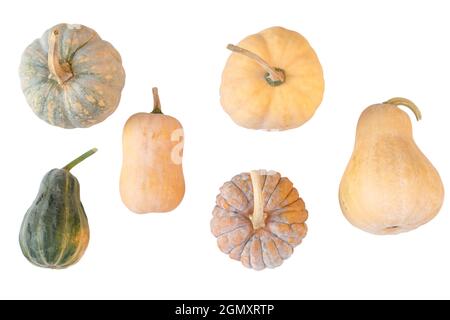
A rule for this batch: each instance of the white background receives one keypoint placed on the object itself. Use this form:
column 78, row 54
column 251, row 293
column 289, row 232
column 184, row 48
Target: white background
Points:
column 370, row 52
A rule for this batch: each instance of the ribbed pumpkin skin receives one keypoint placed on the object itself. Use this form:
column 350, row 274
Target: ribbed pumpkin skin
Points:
column 285, row 217
column 55, row 230
column 90, row 96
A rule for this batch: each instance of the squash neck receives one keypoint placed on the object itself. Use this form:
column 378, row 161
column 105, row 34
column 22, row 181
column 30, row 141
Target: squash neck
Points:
column 407, row 103
column 156, row 102
column 257, row 218
column 274, row 76
column 85, row 155
column 60, row 71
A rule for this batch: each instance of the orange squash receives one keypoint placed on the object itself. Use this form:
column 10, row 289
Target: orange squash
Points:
column 389, row 185
column 152, row 178
column 259, row 218
column 272, row 81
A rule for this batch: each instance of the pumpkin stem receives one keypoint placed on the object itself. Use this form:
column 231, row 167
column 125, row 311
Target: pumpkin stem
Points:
column 156, row 102
column 407, row 103
column 60, row 71
column 273, row 76
column 79, row 159
column 258, row 205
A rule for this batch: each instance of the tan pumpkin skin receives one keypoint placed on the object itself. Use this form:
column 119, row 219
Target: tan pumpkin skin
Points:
column 252, row 103
column 389, row 185
column 284, row 218
column 151, row 181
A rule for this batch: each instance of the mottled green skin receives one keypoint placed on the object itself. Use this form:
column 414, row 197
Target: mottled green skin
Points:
column 90, row 96
column 55, row 230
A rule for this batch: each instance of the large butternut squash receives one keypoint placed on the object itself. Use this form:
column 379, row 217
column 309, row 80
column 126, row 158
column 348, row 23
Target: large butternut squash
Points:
column 389, row 185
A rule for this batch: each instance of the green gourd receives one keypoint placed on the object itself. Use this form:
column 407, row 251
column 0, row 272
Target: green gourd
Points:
column 55, row 230
column 71, row 77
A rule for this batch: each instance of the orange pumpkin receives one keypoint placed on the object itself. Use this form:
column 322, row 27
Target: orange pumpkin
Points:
column 259, row 218
column 272, row 81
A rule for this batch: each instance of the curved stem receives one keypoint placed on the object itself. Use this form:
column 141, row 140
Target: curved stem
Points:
column 61, row 72
column 407, row 103
column 156, row 102
column 275, row 74
column 258, row 204
column 79, row 159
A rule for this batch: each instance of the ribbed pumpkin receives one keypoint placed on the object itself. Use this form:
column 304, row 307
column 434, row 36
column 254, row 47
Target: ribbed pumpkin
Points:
column 72, row 78
column 272, row 81
column 55, row 230
column 259, row 218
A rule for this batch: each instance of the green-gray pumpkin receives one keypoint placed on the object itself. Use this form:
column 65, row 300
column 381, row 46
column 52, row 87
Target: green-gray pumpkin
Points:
column 72, row 78
column 55, row 230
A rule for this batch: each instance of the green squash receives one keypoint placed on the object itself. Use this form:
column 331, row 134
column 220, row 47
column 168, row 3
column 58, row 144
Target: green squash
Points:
column 72, row 78
column 55, row 230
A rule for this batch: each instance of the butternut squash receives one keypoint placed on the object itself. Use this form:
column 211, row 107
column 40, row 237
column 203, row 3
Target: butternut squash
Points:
column 389, row 185
column 152, row 176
